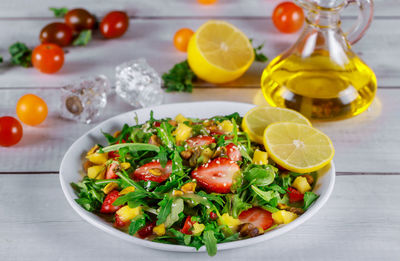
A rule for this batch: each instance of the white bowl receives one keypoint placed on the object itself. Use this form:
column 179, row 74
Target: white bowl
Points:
column 71, row 167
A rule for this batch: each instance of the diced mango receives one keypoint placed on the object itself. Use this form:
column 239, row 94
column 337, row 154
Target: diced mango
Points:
column 127, row 190
column 126, row 213
column 177, row 193
column 301, row 184
column 96, row 172
column 98, row 158
column 260, row 157
column 180, row 118
column 229, row 221
column 125, row 165
column 226, row 126
column 198, row 229
column 159, row 230
column 92, row 150
column 182, row 132
column 283, row 217
column 189, row 187
column 110, row 187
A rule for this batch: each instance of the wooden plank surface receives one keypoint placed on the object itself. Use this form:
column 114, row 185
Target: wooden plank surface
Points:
column 152, row 39
column 170, row 8
column 359, row 222
column 366, row 143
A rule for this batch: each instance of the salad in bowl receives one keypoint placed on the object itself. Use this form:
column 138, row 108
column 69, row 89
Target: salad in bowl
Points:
column 190, row 181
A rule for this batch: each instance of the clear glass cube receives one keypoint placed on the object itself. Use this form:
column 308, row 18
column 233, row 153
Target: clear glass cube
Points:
column 138, row 84
column 85, row 99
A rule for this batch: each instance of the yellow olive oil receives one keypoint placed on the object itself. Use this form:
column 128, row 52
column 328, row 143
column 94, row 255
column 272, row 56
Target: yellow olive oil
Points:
column 319, row 87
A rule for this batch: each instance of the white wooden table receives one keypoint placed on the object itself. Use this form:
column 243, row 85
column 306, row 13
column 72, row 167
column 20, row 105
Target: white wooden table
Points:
column 361, row 221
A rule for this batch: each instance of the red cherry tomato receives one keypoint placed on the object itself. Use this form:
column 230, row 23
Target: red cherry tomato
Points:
column 206, row 2
column 79, row 19
column 114, row 24
column 181, row 39
column 31, row 109
column 10, row 131
column 48, row 58
column 288, row 17
column 57, row 33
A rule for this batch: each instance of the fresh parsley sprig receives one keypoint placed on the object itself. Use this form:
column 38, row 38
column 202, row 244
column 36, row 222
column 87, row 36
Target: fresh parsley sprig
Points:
column 180, row 78
column 59, row 12
column 258, row 55
column 20, row 54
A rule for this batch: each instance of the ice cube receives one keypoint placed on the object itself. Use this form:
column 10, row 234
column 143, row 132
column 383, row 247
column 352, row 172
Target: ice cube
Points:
column 84, row 100
column 138, row 83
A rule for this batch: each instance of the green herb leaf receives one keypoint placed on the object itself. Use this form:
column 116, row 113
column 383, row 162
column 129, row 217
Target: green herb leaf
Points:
column 258, row 56
column 179, row 78
column 177, row 167
column 165, row 134
column 133, row 197
column 237, row 205
column 83, row 38
column 211, row 242
column 59, row 12
column 217, row 198
column 134, row 146
column 309, row 198
column 137, row 223
column 260, row 175
column 165, row 209
column 20, row 54
column 187, row 239
column 176, row 208
column 162, row 156
column 265, row 195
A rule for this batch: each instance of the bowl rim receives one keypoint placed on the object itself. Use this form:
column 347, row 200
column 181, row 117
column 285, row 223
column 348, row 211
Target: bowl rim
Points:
column 281, row 229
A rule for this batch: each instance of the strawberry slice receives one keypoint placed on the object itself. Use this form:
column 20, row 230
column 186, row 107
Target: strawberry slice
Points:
column 200, row 140
column 107, row 206
column 146, row 230
column 112, row 170
column 187, row 226
column 153, row 171
column 233, row 152
column 294, row 195
column 217, row 175
column 258, row 217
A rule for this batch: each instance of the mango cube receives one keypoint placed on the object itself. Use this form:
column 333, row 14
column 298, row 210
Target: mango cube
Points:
column 96, row 172
column 198, row 229
column 260, row 157
column 283, row 217
column 229, row 221
column 98, row 158
column 226, row 126
column 182, row 132
column 301, row 184
column 159, row 230
column 126, row 213
column 180, row 118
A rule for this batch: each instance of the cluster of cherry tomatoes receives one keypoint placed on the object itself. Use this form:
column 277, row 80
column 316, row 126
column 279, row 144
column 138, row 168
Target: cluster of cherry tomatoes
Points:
column 31, row 110
column 49, row 56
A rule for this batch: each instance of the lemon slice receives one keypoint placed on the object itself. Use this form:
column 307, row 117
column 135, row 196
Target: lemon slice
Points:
column 257, row 119
column 219, row 52
column 298, row 147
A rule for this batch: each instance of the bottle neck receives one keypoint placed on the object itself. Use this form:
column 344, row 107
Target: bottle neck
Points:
column 323, row 19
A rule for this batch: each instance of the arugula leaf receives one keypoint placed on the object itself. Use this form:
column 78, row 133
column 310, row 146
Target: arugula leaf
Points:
column 179, row 78
column 131, row 197
column 164, row 133
column 286, row 182
column 90, row 195
column 20, row 54
column 167, row 186
column 176, row 208
column 234, row 116
column 59, row 12
column 162, row 156
column 260, row 175
column 237, row 205
column 309, row 198
column 177, row 167
column 83, row 38
column 258, row 56
column 276, row 187
column 265, row 195
column 135, row 146
column 211, row 242
column 212, row 197
column 165, row 209
column 110, row 138
column 137, row 223
column 187, row 239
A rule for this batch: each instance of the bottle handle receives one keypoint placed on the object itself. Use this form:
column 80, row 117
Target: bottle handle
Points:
column 365, row 16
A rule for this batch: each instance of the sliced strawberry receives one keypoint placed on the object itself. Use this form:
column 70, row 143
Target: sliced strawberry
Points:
column 228, row 137
column 112, row 170
column 217, row 175
column 200, row 140
column 119, row 223
column 113, row 154
column 294, row 195
column 233, row 152
column 107, row 206
column 258, row 217
column 147, row 230
column 153, row 171
column 156, row 124
column 187, row 226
